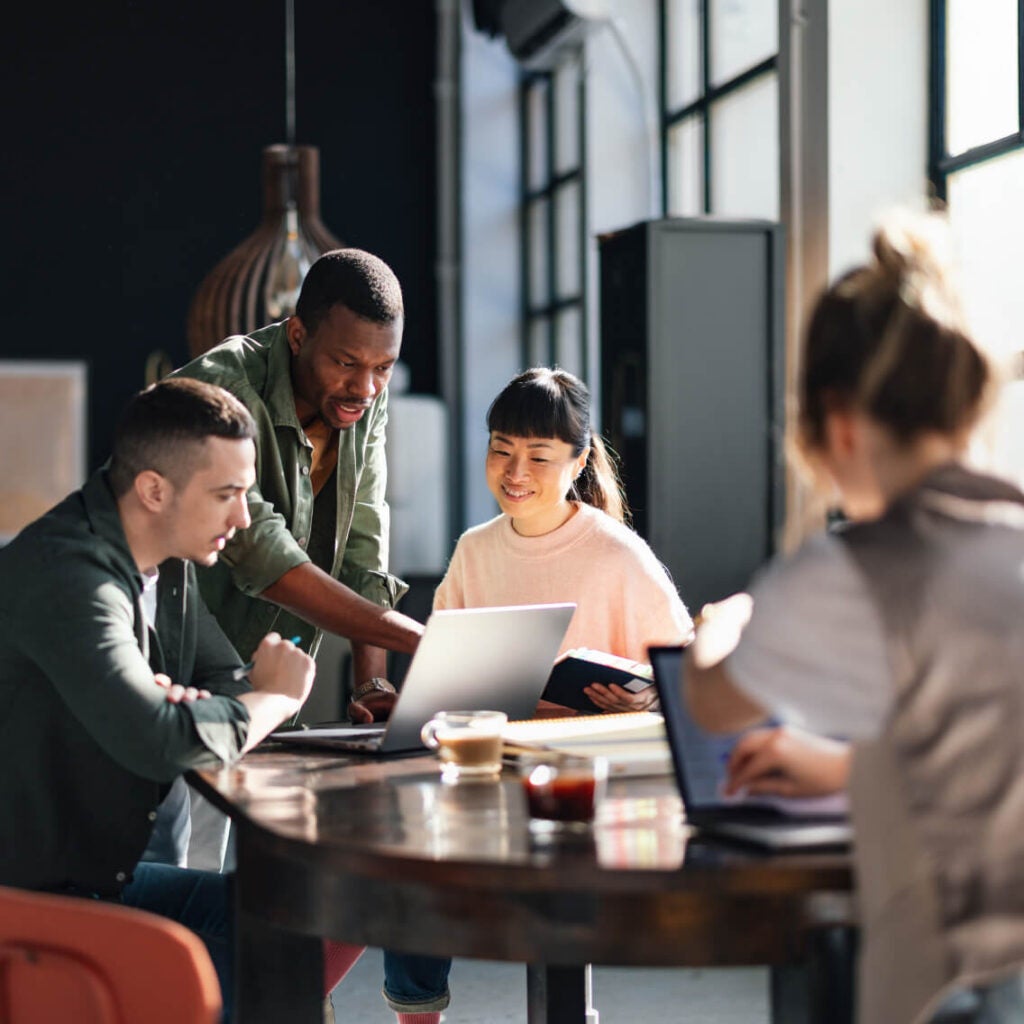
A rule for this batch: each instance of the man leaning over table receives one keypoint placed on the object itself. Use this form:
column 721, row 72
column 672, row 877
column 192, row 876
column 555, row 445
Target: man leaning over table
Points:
column 114, row 677
column 315, row 556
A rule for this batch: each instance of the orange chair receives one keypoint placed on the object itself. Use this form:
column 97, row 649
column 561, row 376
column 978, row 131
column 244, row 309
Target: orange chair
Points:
column 65, row 959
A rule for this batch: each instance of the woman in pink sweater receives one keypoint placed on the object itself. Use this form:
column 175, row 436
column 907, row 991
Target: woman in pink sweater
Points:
column 561, row 535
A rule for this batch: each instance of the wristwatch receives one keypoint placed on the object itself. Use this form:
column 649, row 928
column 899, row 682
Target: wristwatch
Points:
column 378, row 684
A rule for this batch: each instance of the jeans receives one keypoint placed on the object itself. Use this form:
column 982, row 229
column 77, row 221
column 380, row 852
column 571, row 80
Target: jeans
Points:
column 202, row 902
column 416, row 984
column 168, row 843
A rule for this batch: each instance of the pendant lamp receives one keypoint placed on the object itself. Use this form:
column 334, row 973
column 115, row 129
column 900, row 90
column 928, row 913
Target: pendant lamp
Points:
column 258, row 282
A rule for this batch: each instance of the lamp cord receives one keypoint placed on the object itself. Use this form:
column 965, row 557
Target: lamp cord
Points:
column 289, row 71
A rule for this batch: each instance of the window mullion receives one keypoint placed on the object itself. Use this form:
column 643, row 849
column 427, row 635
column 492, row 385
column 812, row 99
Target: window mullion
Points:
column 1020, row 66
column 525, row 233
column 551, row 216
column 937, row 104
column 663, row 99
column 705, row 88
column 581, row 129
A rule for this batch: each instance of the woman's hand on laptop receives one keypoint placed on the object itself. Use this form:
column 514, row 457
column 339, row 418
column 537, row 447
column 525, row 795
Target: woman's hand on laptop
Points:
column 789, row 762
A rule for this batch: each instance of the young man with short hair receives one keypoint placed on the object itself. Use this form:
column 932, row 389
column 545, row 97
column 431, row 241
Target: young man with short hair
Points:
column 114, row 677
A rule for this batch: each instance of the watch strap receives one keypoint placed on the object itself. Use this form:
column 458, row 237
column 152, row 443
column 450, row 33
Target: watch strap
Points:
column 378, row 684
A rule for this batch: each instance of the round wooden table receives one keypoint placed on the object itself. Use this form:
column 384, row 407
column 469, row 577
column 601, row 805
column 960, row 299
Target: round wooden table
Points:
column 382, row 852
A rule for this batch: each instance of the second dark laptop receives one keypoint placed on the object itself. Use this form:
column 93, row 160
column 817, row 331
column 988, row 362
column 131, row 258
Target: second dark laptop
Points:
column 700, row 760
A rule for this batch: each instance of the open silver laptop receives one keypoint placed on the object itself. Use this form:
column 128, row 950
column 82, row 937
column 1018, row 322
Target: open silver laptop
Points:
column 701, row 760
column 468, row 659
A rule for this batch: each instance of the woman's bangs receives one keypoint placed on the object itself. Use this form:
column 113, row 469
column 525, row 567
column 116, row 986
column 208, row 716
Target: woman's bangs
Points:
column 530, row 411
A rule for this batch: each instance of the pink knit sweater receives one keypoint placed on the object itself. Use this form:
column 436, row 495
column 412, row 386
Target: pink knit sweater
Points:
column 624, row 596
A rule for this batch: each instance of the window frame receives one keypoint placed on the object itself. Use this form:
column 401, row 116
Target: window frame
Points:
column 941, row 164
column 702, row 105
column 548, row 307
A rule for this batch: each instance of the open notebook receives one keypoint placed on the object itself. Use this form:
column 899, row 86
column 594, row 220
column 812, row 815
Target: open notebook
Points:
column 469, row 659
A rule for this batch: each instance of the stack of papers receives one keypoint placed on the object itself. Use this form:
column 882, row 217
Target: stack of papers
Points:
column 634, row 743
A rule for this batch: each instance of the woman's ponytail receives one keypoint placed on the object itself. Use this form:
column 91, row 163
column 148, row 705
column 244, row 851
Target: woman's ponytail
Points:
column 599, row 485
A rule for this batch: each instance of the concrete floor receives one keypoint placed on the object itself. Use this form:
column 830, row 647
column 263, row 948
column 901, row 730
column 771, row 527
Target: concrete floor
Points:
column 484, row 992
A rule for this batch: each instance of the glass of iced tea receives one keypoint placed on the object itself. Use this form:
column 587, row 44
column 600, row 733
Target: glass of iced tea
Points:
column 563, row 791
column 468, row 743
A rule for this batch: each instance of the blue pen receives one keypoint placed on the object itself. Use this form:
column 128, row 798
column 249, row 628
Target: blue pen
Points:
column 244, row 670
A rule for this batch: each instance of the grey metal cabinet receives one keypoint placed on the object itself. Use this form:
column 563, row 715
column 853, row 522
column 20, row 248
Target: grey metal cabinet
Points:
column 692, row 378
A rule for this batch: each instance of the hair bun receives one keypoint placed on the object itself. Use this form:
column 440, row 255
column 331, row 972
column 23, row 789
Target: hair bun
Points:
column 913, row 257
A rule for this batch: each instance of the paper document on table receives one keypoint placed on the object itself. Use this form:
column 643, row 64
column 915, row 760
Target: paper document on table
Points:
column 633, row 742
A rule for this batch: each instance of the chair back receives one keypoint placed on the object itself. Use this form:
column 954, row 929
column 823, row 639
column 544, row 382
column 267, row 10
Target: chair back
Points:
column 64, row 959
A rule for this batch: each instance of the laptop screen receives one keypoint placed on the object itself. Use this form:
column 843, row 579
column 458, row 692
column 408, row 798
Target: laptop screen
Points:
column 701, row 759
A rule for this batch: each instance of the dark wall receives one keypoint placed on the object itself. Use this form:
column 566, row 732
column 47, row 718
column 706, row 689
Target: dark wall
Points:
column 131, row 165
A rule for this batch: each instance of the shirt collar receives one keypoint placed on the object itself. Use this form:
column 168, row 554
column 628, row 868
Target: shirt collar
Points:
column 278, row 395
column 105, row 520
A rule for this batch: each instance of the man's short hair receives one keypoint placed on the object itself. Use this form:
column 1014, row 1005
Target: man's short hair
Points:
column 353, row 278
column 163, row 429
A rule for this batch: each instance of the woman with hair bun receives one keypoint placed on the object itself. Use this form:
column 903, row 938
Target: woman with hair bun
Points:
column 902, row 630
column 561, row 534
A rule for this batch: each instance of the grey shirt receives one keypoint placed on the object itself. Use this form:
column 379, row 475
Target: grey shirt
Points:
column 814, row 651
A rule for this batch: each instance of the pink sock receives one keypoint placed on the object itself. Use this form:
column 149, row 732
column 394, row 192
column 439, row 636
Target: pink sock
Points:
column 419, row 1018
column 338, row 958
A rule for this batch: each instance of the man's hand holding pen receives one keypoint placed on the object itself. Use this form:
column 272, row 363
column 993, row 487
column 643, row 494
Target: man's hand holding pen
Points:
column 179, row 694
column 243, row 670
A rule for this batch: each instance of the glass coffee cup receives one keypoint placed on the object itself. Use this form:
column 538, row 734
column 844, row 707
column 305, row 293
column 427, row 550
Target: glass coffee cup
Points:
column 468, row 743
column 563, row 791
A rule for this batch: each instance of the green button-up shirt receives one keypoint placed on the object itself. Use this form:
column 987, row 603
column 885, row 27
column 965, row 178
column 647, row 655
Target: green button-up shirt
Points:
column 88, row 740
column 352, row 546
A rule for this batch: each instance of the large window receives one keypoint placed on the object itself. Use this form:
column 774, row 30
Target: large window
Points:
column 977, row 167
column 553, row 217
column 719, row 107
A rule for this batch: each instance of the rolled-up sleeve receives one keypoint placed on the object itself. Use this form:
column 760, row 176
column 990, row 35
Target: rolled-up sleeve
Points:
column 261, row 554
